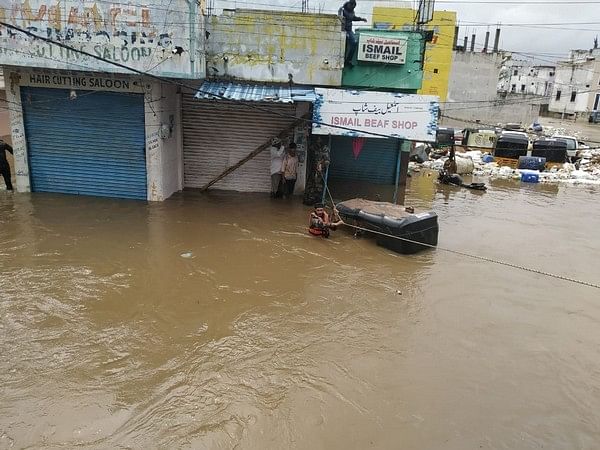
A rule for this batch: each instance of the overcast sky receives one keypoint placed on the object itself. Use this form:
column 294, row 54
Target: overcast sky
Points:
column 545, row 40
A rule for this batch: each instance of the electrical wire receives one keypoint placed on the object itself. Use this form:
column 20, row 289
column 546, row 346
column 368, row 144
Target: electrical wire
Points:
column 461, row 253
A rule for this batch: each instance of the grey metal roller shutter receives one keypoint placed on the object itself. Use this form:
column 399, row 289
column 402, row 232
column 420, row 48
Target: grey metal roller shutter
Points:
column 217, row 134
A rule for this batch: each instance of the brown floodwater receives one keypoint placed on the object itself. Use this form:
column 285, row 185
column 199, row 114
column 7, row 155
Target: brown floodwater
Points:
column 216, row 321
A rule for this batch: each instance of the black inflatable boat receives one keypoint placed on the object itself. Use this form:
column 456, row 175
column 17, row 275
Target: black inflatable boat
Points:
column 395, row 220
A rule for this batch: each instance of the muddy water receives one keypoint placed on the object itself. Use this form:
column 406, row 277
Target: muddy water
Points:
column 263, row 337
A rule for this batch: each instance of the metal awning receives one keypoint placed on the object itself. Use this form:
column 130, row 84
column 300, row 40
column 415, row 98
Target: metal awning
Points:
column 220, row 90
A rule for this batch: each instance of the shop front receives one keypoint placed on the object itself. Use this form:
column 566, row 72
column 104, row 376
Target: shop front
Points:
column 93, row 134
column 369, row 133
column 226, row 122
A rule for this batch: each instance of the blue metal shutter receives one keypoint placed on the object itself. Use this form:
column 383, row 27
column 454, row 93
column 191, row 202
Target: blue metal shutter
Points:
column 376, row 162
column 94, row 144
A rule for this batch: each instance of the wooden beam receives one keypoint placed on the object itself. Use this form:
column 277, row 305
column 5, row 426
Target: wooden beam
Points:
column 257, row 151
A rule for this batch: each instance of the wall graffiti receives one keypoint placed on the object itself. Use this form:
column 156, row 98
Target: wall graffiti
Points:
column 135, row 35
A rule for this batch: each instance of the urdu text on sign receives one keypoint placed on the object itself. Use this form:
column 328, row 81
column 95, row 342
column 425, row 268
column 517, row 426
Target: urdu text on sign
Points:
column 376, row 114
column 381, row 49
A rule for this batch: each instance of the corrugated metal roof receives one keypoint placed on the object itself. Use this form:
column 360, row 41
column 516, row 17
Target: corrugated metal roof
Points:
column 255, row 92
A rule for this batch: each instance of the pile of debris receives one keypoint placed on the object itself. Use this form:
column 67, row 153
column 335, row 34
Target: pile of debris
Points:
column 585, row 171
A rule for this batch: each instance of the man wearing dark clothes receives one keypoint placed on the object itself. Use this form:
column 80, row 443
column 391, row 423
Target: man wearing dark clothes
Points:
column 4, row 167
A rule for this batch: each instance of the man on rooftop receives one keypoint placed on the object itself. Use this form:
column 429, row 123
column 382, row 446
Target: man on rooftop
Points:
column 347, row 16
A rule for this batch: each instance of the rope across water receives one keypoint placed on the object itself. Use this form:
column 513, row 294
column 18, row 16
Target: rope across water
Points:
column 468, row 255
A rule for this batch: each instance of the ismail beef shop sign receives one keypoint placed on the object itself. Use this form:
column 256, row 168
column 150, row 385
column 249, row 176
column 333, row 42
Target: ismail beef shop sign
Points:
column 376, row 114
column 161, row 38
column 381, row 49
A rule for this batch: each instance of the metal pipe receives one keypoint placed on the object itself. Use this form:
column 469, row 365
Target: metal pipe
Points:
column 487, row 42
column 455, row 43
column 465, row 44
column 497, row 40
column 399, row 159
column 326, row 179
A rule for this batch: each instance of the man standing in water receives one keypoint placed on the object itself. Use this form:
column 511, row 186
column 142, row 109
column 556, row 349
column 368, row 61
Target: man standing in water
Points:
column 277, row 154
column 347, row 16
column 4, row 167
column 290, row 170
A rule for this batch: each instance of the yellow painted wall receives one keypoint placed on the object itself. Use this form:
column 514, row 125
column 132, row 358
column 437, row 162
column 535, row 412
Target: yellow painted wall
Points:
column 438, row 53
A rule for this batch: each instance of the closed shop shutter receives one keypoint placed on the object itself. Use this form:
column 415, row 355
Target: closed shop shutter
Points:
column 94, row 144
column 217, row 134
column 376, row 162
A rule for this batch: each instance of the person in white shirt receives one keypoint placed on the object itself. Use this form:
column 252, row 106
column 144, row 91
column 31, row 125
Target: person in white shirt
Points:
column 290, row 170
column 277, row 155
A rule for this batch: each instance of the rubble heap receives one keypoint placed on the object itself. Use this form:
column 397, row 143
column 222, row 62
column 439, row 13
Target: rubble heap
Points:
column 585, row 171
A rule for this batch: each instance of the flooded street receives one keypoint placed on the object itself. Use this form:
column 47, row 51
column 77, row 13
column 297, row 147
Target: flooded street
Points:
column 216, row 321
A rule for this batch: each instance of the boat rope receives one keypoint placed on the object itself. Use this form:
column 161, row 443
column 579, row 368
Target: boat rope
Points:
column 466, row 255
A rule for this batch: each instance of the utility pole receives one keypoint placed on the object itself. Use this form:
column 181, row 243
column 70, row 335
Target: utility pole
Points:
column 304, row 6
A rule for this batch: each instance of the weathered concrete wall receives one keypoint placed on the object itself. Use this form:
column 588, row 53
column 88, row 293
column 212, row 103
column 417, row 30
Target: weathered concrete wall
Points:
column 163, row 144
column 270, row 46
column 472, row 94
column 4, row 117
column 138, row 36
column 574, row 76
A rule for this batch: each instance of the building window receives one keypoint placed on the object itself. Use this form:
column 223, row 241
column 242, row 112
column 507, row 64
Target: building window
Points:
column 597, row 102
column 558, row 95
column 551, row 74
column 513, row 88
column 435, row 71
column 515, row 73
column 573, row 95
column 522, row 88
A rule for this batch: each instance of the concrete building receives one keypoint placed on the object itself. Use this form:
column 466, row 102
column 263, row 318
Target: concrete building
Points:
column 261, row 69
column 523, row 78
column 473, row 89
column 438, row 51
column 577, row 87
column 275, row 47
column 83, row 125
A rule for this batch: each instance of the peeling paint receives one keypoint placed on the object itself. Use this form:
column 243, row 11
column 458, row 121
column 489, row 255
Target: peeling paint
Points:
column 269, row 45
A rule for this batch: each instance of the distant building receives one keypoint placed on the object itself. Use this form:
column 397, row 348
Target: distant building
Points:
column 577, row 85
column 523, row 78
column 473, row 89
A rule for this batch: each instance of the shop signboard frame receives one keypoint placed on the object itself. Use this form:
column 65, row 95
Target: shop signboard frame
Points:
column 371, row 114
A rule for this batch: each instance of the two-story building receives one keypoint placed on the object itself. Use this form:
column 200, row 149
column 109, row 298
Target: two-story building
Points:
column 378, row 112
column 271, row 73
column 139, row 102
column 577, row 87
column 92, row 109
column 523, row 78
column 262, row 67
